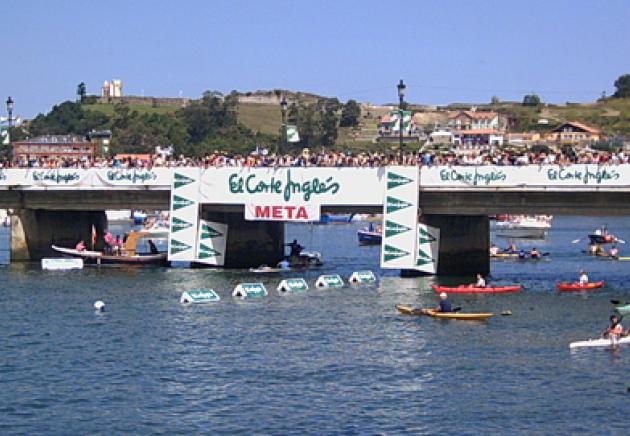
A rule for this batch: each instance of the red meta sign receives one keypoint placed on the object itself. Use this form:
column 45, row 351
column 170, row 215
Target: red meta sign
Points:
column 282, row 212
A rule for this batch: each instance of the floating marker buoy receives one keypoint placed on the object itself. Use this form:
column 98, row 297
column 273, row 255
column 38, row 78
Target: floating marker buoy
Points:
column 292, row 285
column 362, row 277
column 99, row 306
column 329, row 281
column 199, row 296
column 249, row 290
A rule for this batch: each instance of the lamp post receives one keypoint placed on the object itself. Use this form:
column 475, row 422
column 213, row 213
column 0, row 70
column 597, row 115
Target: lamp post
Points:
column 283, row 109
column 10, row 120
column 401, row 96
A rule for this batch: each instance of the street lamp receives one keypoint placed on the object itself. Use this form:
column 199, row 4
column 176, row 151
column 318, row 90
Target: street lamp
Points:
column 283, row 109
column 401, row 96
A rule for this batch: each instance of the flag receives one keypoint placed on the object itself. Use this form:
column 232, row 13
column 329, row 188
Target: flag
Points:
column 292, row 134
column 4, row 136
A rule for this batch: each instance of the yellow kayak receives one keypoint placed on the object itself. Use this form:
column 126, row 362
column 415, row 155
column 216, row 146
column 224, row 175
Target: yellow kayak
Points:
column 444, row 315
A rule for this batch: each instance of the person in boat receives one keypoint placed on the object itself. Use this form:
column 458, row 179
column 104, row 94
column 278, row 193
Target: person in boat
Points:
column 583, row 278
column 445, row 305
column 152, row 248
column 295, row 248
column 511, row 249
column 80, row 246
column 494, row 250
column 615, row 329
column 535, row 254
column 613, row 252
column 284, row 264
column 481, row 282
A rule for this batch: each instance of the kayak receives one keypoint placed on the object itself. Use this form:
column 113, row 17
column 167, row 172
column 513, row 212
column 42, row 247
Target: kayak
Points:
column 268, row 269
column 598, row 343
column 576, row 287
column 444, row 315
column 504, row 256
column 623, row 310
column 467, row 289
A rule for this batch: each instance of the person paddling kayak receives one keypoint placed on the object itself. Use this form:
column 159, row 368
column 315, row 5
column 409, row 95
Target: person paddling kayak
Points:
column 583, row 278
column 480, row 283
column 615, row 329
column 535, row 254
column 445, row 305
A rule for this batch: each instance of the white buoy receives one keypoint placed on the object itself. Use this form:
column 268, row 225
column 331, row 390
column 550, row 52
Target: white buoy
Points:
column 249, row 290
column 362, row 277
column 329, row 281
column 99, row 306
column 292, row 285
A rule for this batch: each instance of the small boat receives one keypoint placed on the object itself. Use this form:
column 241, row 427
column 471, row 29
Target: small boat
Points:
column 370, row 235
column 518, row 256
column 129, row 255
column 264, row 269
column 327, row 218
column 527, row 227
column 600, row 342
column 444, row 315
column 468, row 289
column 577, row 287
column 623, row 310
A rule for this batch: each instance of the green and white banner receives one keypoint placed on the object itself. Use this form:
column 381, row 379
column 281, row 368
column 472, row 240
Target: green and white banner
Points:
column 182, row 240
column 427, row 251
column 394, row 123
column 211, row 243
column 292, row 134
column 400, row 218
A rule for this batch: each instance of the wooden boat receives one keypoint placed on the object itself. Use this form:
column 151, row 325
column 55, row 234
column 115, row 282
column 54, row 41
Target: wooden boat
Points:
column 467, row 289
column 407, row 310
column 129, row 255
column 578, row 287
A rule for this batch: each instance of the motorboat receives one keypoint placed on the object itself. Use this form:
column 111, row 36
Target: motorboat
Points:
column 129, row 255
column 529, row 227
column 370, row 235
column 330, row 218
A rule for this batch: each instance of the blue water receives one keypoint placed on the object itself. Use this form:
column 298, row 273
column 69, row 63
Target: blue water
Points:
column 325, row 361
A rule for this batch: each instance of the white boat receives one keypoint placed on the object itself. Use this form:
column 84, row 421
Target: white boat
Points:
column 524, row 227
column 118, row 216
column 601, row 342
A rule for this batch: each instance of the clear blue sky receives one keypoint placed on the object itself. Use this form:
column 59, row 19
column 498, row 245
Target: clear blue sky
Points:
column 446, row 51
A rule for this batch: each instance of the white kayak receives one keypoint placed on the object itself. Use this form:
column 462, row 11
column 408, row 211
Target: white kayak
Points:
column 598, row 343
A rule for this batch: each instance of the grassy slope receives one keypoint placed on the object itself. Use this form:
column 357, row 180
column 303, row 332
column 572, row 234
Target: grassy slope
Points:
column 264, row 118
column 108, row 109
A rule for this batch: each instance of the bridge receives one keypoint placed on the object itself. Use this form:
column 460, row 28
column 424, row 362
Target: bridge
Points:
column 62, row 205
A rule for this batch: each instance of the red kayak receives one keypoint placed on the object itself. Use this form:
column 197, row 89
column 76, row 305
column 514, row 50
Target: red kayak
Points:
column 576, row 287
column 467, row 289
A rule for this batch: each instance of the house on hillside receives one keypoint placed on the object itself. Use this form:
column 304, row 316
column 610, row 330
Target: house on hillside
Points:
column 573, row 132
column 474, row 120
column 54, row 147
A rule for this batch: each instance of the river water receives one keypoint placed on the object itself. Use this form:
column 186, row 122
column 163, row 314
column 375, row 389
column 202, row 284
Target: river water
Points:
column 324, row 361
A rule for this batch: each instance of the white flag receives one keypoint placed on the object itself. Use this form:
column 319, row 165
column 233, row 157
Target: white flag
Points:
column 4, row 135
column 292, row 134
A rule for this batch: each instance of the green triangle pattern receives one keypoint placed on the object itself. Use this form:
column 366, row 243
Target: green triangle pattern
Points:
column 394, row 204
column 178, row 247
column 180, row 202
column 425, row 236
column 394, row 180
column 179, row 224
column 206, row 252
column 182, row 180
column 208, row 232
column 391, row 253
column 393, row 229
column 423, row 258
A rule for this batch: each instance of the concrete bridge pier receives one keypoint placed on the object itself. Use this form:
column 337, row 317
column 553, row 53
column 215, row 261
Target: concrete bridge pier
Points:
column 33, row 231
column 464, row 244
column 249, row 243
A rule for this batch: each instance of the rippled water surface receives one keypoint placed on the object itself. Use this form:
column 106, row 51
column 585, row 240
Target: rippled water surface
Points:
column 319, row 362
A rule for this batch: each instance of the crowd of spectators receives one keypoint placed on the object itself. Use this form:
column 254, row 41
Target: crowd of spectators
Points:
column 307, row 158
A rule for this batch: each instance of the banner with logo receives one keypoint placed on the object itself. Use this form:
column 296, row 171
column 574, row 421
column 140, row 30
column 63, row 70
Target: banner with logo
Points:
column 135, row 176
column 211, row 243
column 182, row 240
column 428, row 247
column 282, row 212
column 400, row 218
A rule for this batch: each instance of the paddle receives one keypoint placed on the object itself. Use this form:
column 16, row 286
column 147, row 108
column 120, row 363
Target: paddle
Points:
column 575, row 241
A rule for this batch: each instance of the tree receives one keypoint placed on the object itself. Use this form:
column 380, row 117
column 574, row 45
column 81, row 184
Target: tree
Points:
column 81, row 91
column 350, row 114
column 623, row 86
column 531, row 100
column 495, row 100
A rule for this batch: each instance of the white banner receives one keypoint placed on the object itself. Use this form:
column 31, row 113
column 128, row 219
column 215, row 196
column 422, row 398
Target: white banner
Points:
column 135, row 176
column 182, row 240
column 400, row 218
column 313, row 185
column 211, row 243
column 428, row 249
column 282, row 212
